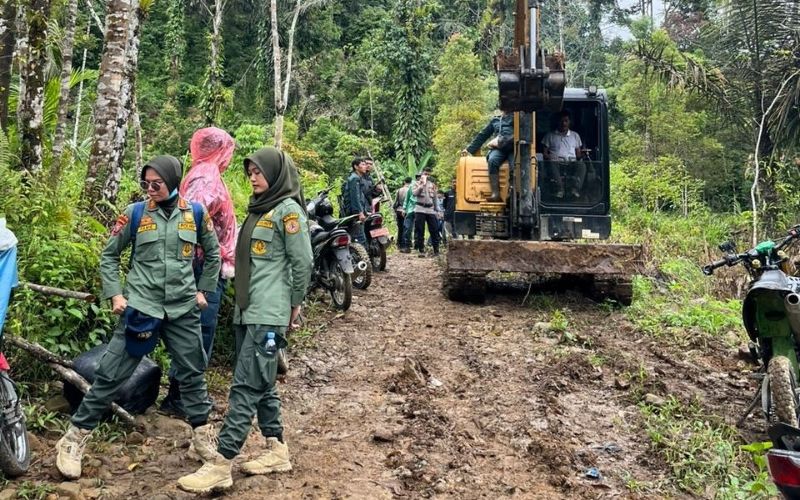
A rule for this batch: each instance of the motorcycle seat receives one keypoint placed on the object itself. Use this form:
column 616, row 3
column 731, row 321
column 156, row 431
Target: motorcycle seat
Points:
column 319, row 237
column 328, row 222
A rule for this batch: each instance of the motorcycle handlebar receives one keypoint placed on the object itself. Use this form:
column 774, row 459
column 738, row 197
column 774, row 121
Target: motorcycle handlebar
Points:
column 708, row 269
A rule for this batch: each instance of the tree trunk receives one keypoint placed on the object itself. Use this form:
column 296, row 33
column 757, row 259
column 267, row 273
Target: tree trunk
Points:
column 213, row 97
column 110, row 101
column 176, row 40
column 8, row 31
column 111, row 186
column 66, row 78
column 76, row 128
column 30, row 112
column 280, row 106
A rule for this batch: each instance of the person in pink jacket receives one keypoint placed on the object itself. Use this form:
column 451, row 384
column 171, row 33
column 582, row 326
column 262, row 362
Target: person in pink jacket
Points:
column 211, row 149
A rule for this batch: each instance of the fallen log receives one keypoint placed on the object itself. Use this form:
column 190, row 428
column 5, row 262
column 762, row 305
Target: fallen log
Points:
column 60, row 292
column 64, row 368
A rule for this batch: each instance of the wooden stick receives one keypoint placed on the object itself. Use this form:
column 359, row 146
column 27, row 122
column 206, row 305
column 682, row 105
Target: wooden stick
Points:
column 64, row 368
column 60, row 292
column 38, row 351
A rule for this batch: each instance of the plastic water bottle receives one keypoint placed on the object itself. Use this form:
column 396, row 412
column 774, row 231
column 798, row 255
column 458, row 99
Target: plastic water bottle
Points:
column 269, row 345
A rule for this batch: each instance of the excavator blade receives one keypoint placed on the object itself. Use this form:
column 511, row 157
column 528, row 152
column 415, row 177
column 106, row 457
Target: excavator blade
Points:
column 606, row 269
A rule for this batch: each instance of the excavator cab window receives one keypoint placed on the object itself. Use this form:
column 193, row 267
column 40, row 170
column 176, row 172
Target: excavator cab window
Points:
column 572, row 155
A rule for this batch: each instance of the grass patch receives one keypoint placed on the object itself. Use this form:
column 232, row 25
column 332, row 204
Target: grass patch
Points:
column 704, row 454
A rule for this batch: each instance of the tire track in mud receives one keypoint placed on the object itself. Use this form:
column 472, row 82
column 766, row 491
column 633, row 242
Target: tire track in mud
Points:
column 408, row 395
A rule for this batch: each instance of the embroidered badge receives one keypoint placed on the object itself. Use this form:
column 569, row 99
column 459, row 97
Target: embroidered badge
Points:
column 182, row 204
column 152, row 205
column 186, row 251
column 188, row 226
column 268, row 224
column 119, row 224
column 148, row 227
column 188, row 217
column 259, row 247
column 207, row 220
column 292, row 223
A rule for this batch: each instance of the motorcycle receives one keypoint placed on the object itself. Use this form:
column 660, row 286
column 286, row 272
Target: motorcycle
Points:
column 377, row 237
column 783, row 460
column 15, row 452
column 320, row 210
column 771, row 316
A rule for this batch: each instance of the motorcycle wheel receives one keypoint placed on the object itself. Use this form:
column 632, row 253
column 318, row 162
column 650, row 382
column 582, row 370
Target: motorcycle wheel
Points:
column 782, row 385
column 361, row 279
column 342, row 292
column 377, row 254
column 15, row 452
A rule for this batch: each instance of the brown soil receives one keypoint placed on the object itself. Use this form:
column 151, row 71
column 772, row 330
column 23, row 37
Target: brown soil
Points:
column 410, row 395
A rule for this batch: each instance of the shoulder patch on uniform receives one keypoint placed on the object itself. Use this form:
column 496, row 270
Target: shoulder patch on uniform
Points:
column 291, row 222
column 119, row 224
column 207, row 220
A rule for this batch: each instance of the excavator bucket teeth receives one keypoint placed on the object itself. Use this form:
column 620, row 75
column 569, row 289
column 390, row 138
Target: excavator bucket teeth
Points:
column 607, row 268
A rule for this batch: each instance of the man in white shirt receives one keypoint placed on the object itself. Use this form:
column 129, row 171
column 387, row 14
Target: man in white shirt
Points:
column 562, row 149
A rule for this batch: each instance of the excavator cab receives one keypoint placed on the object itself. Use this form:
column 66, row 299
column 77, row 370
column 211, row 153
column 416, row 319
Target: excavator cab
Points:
column 554, row 201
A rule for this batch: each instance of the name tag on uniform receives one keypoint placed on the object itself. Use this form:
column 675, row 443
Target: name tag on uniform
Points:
column 147, row 224
column 268, row 224
column 188, row 226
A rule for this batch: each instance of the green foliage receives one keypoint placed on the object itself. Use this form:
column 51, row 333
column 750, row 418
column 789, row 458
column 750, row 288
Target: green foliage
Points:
column 463, row 95
column 702, row 453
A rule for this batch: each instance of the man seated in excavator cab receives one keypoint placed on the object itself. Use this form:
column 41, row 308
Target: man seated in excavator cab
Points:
column 563, row 153
column 501, row 148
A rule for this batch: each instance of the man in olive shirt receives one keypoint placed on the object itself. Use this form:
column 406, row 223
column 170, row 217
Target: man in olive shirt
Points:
column 160, row 299
column 273, row 268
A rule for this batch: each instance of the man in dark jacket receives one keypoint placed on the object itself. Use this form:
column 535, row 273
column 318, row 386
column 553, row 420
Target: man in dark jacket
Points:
column 501, row 147
column 353, row 197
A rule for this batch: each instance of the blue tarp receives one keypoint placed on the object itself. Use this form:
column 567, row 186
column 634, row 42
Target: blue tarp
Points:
column 8, row 280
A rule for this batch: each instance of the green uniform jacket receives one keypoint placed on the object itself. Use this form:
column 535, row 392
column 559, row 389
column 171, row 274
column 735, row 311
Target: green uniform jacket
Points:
column 502, row 126
column 280, row 266
column 161, row 279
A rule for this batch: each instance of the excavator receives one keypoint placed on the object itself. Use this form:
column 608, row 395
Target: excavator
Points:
column 533, row 225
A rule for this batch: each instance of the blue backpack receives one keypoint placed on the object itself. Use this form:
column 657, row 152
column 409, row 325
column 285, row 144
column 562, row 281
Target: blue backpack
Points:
column 138, row 212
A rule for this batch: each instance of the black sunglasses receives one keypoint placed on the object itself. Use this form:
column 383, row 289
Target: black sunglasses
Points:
column 156, row 185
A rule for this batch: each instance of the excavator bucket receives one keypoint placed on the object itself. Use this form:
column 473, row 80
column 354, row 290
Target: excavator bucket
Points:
column 601, row 270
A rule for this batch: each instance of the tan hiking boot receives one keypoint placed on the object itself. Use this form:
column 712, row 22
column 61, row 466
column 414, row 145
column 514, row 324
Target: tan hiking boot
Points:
column 275, row 459
column 69, row 451
column 204, row 442
column 215, row 474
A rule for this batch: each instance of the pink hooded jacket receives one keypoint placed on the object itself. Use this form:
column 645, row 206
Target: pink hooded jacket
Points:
column 211, row 150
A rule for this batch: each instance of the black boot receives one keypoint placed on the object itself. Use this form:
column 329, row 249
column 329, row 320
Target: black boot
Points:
column 494, row 182
column 172, row 404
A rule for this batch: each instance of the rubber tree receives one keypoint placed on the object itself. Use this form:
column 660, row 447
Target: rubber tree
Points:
column 30, row 110
column 213, row 90
column 112, row 107
column 282, row 70
column 8, row 15
column 70, row 15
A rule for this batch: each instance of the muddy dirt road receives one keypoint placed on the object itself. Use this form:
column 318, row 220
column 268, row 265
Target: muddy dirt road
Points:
column 409, row 395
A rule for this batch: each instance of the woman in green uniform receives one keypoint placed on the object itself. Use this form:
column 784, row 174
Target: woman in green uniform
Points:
column 273, row 268
column 160, row 299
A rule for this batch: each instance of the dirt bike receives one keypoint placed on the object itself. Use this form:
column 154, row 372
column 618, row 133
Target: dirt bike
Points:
column 377, row 237
column 323, row 215
column 15, row 452
column 771, row 316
